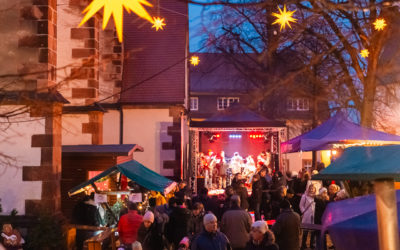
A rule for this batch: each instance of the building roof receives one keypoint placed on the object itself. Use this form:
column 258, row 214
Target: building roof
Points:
column 22, row 96
column 154, row 67
column 237, row 115
column 216, row 72
column 110, row 149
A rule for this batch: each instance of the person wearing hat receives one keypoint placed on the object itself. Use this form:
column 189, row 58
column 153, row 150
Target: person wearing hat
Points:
column 321, row 201
column 287, row 228
column 261, row 237
column 148, row 234
column 211, row 238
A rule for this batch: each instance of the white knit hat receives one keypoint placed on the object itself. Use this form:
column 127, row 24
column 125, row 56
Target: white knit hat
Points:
column 209, row 218
column 148, row 216
column 322, row 190
column 260, row 226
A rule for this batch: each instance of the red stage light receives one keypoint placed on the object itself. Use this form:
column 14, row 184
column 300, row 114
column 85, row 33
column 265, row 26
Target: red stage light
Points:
column 218, row 135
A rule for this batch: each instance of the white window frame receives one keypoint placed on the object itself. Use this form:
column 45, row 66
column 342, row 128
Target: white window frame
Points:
column 194, row 103
column 225, row 102
column 297, row 104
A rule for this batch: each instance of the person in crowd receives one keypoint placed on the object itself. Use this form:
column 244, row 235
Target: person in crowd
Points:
column 236, row 224
column 280, row 195
column 332, row 191
column 261, row 238
column 235, row 181
column 11, row 238
column 148, row 234
column 278, row 180
column 196, row 220
column 211, row 238
column 160, row 199
column 184, row 244
column 265, row 180
column 307, row 208
column 210, row 205
column 226, row 203
column 317, row 183
column 294, row 200
column 256, row 196
column 287, row 228
column 244, row 195
column 321, row 201
column 129, row 224
column 341, row 195
column 177, row 227
column 300, row 189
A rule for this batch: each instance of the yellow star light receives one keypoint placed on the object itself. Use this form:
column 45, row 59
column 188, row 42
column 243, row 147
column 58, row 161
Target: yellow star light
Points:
column 284, row 17
column 158, row 23
column 115, row 8
column 364, row 53
column 194, row 60
column 379, row 24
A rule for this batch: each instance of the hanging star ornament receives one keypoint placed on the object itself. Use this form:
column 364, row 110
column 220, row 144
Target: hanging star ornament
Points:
column 364, row 53
column 194, row 60
column 379, row 24
column 158, row 23
column 284, row 17
column 115, row 8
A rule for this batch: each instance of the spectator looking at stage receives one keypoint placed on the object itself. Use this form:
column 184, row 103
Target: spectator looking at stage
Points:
column 177, row 227
column 307, row 208
column 148, row 234
column 279, row 196
column 256, row 197
column 226, row 203
column 196, row 219
column 294, row 200
column 265, row 180
column 236, row 224
column 211, row 238
column 244, row 195
column 261, row 238
column 235, row 181
column 129, row 224
column 321, row 201
column 287, row 228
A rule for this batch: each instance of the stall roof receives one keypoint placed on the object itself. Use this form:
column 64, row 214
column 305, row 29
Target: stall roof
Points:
column 337, row 130
column 134, row 171
column 111, row 149
column 364, row 163
column 237, row 115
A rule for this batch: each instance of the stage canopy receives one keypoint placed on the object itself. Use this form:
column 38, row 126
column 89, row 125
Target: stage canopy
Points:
column 134, row 171
column 352, row 223
column 364, row 163
column 337, row 130
column 237, row 115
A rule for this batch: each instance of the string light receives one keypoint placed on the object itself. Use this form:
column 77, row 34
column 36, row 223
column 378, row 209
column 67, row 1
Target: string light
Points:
column 158, row 23
column 115, row 8
column 379, row 24
column 284, row 17
column 194, row 60
column 364, row 53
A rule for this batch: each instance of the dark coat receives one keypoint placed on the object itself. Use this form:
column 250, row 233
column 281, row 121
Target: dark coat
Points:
column 150, row 238
column 256, row 192
column 236, row 225
column 244, row 197
column 287, row 230
column 320, row 206
column 196, row 224
column 211, row 241
column 178, row 225
column 268, row 243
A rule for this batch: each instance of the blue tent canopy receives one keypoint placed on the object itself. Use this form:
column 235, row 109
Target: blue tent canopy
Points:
column 337, row 130
column 364, row 163
column 352, row 223
column 134, row 171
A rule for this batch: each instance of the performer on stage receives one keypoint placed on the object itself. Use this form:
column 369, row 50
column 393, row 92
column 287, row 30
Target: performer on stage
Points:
column 236, row 163
column 250, row 168
column 263, row 159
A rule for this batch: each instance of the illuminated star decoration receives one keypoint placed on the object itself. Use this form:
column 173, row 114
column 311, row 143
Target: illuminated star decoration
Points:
column 158, row 23
column 284, row 17
column 194, row 60
column 364, row 53
column 379, row 24
column 115, row 8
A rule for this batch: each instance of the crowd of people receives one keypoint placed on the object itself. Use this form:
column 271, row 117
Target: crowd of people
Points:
column 203, row 222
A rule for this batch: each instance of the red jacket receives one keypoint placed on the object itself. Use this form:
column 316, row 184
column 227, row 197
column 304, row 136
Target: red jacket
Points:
column 128, row 226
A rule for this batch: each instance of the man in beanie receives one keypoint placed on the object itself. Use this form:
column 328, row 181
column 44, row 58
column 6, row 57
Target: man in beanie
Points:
column 129, row 224
column 236, row 224
column 261, row 237
column 211, row 238
column 148, row 234
column 287, row 228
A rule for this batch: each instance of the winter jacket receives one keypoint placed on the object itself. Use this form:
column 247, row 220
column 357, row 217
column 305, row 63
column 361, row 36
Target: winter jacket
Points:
column 236, row 224
column 256, row 193
column 128, row 226
column 150, row 238
column 307, row 208
column 211, row 241
column 196, row 224
column 244, row 196
column 287, row 230
column 178, row 225
column 268, row 243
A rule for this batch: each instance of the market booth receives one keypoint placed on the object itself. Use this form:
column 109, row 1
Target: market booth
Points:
column 238, row 132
